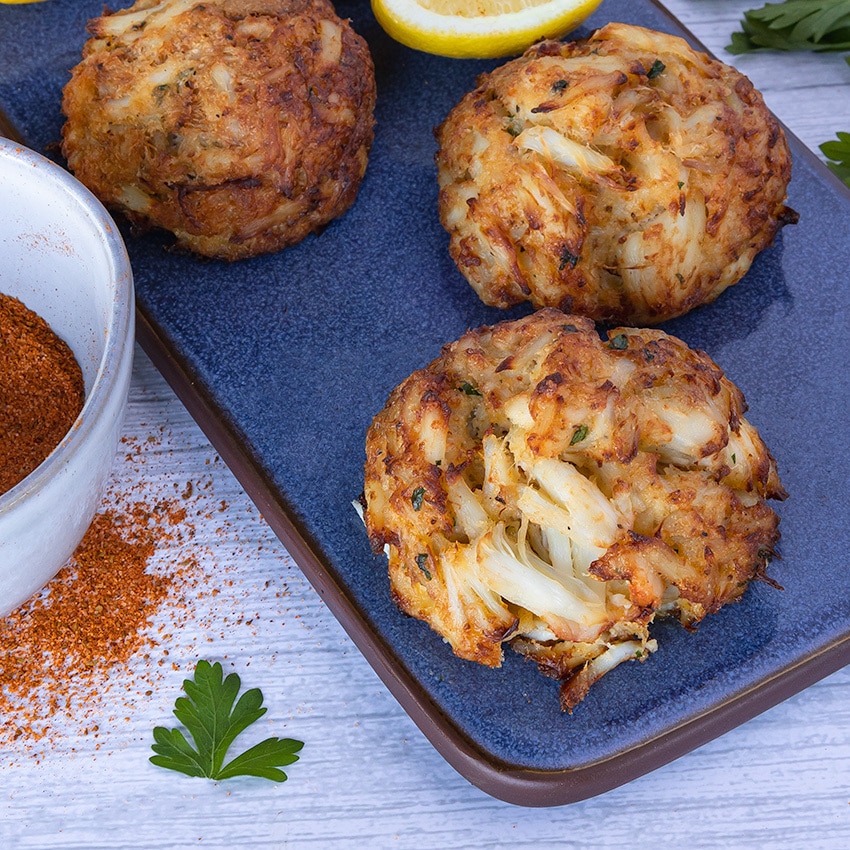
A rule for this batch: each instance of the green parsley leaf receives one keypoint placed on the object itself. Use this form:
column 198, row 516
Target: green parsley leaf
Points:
column 209, row 715
column 838, row 151
column 568, row 258
column 579, row 434
column 619, row 342
column 795, row 25
column 657, row 68
column 422, row 563
column 514, row 126
column 467, row 388
column 417, row 497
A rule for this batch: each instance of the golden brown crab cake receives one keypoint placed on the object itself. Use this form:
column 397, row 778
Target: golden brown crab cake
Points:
column 241, row 126
column 539, row 486
column 624, row 177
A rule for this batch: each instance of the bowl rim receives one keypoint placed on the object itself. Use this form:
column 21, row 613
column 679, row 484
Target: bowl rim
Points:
column 119, row 330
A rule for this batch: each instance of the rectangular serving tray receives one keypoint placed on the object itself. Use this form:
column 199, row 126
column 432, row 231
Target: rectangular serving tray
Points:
column 283, row 360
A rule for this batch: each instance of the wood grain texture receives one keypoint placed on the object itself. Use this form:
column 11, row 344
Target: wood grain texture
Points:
column 367, row 777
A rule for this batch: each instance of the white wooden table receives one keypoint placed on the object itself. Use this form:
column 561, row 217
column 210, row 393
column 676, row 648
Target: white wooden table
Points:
column 367, row 777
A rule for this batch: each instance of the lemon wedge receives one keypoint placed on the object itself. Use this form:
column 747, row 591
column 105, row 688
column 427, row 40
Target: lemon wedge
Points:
column 478, row 29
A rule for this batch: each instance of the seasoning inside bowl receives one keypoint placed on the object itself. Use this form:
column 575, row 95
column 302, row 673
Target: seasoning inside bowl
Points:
column 41, row 391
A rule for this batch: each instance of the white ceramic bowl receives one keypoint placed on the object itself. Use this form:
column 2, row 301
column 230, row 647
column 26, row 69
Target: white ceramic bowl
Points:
column 63, row 257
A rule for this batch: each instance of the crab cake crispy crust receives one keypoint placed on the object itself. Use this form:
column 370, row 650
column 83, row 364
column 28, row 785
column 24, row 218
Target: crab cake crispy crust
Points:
column 239, row 125
column 625, row 177
column 539, row 486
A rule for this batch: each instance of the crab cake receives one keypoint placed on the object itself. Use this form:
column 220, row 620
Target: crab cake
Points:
column 541, row 487
column 241, row 126
column 624, row 177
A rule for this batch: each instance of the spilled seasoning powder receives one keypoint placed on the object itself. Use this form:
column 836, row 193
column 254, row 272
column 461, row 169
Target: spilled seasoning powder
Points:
column 57, row 649
column 144, row 597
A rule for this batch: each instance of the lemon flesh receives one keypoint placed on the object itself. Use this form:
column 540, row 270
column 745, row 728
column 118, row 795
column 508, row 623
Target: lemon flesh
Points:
column 478, row 29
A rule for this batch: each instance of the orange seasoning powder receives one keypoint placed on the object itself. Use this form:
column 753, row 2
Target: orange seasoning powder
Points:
column 58, row 649
column 41, row 391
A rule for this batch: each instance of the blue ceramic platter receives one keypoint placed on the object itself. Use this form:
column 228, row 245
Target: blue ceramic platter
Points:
column 284, row 359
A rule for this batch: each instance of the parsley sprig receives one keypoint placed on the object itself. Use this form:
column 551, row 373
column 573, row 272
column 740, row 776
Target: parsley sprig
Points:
column 795, row 25
column 213, row 720
column 838, row 150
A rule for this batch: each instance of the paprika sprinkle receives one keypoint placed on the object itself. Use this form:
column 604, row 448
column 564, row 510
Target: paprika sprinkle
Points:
column 142, row 597
column 41, row 391
column 58, row 649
